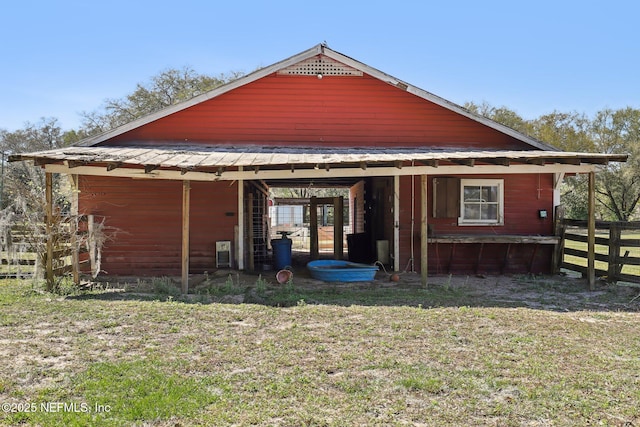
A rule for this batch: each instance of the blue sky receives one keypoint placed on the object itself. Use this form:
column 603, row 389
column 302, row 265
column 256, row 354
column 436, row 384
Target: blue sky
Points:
column 60, row 57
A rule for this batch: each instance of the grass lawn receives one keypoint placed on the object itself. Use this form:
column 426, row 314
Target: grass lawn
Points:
column 465, row 351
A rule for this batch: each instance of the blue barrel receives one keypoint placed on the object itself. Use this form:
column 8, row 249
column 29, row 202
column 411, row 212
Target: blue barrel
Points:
column 281, row 253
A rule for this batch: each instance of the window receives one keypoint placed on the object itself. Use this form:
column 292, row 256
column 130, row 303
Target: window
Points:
column 482, row 202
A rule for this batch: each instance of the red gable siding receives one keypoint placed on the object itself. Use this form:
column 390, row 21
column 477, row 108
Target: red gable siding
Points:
column 333, row 111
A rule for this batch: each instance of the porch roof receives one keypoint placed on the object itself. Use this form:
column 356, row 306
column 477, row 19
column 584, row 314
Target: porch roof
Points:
column 251, row 157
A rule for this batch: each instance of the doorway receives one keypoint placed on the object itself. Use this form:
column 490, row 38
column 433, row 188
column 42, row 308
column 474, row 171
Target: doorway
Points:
column 325, row 219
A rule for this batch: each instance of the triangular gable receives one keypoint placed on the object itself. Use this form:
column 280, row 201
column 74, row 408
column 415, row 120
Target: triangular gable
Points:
column 319, row 60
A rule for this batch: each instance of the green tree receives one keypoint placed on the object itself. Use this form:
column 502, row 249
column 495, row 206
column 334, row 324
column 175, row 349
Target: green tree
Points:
column 502, row 115
column 165, row 89
column 609, row 131
column 567, row 131
column 19, row 176
column 618, row 189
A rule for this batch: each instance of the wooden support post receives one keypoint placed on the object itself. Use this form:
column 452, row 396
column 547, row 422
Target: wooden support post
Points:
column 251, row 243
column 241, row 222
column 591, row 233
column 313, row 229
column 533, row 257
column 396, row 223
column 49, row 228
column 338, row 231
column 451, row 257
column 75, row 250
column 424, row 264
column 478, row 262
column 186, row 193
column 505, row 263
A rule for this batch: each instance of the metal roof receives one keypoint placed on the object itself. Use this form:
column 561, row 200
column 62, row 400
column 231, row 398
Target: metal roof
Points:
column 207, row 157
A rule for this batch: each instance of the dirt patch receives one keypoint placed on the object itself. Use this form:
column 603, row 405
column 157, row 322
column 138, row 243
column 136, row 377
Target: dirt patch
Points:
column 561, row 292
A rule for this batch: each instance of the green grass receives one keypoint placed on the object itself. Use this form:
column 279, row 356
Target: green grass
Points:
column 338, row 355
column 120, row 393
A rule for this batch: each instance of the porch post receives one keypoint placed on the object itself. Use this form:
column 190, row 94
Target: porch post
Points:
column 49, row 229
column 424, row 265
column 338, row 233
column 186, row 195
column 591, row 233
column 75, row 266
column 250, row 232
column 396, row 223
column 240, row 242
column 313, row 228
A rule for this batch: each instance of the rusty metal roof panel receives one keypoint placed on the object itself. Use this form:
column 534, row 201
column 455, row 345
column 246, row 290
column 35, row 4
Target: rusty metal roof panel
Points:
column 252, row 156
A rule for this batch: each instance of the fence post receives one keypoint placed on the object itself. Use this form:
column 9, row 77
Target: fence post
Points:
column 591, row 233
column 558, row 249
column 614, row 252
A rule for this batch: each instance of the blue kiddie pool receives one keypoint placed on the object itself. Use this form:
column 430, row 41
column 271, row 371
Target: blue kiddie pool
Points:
column 341, row 271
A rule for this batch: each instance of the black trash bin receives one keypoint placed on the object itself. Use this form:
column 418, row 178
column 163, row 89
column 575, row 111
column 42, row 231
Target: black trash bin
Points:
column 358, row 248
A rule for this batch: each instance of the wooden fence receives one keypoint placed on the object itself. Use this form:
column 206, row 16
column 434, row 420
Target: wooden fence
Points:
column 23, row 250
column 617, row 249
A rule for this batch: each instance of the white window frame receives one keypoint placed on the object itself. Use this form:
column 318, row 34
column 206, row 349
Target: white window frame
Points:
column 484, row 183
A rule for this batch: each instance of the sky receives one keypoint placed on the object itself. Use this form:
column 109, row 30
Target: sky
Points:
column 60, row 58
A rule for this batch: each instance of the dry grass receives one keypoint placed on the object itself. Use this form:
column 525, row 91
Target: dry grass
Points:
column 493, row 351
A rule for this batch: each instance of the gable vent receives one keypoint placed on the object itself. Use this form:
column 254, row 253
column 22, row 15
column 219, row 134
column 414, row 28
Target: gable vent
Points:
column 320, row 65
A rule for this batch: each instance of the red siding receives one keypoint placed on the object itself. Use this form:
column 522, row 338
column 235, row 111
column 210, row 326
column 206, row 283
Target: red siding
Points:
column 304, row 111
column 148, row 217
column 524, row 196
column 348, row 111
column 468, row 258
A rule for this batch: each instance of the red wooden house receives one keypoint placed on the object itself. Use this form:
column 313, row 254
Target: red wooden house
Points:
column 449, row 190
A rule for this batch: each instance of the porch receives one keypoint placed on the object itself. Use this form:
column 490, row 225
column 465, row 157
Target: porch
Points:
column 404, row 214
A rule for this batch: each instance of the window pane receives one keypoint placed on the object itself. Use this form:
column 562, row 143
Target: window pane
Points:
column 490, row 211
column 471, row 193
column 471, row 211
column 490, row 194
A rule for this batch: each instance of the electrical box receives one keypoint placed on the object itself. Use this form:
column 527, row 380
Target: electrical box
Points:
column 223, row 254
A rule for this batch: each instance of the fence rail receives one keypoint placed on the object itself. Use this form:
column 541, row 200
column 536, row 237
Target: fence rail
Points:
column 617, row 249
